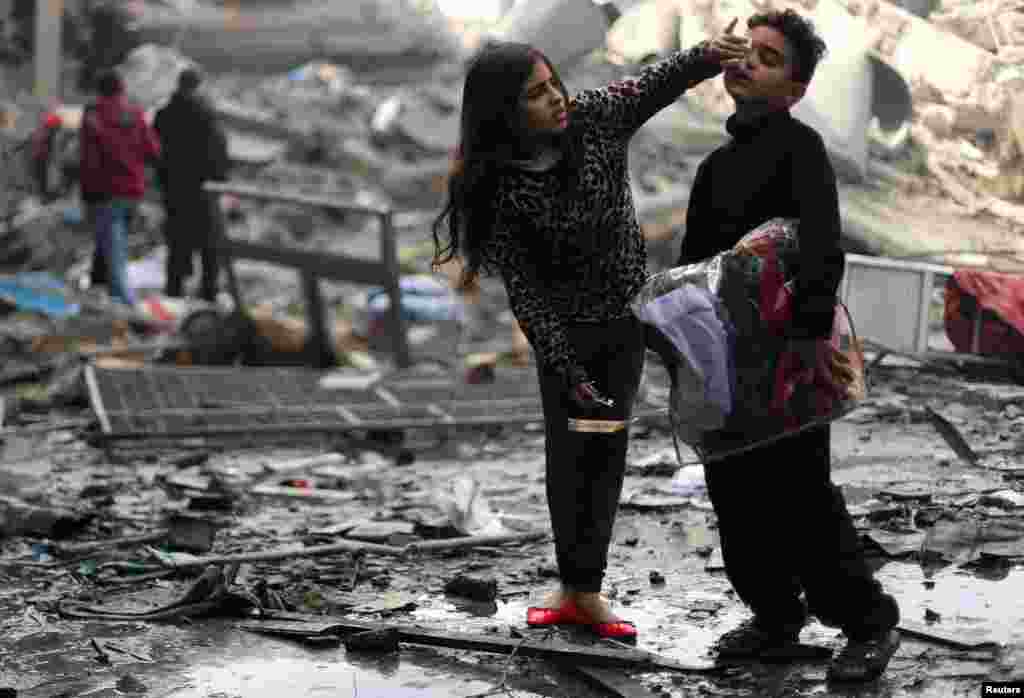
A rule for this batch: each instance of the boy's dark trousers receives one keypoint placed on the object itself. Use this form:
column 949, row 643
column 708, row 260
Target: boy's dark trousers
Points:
column 584, row 471
column 784, row 528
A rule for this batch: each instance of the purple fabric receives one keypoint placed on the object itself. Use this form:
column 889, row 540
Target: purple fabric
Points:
column 687, row 316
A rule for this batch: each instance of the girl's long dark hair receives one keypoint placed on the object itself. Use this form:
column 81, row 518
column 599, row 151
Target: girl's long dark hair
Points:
column 491, row 134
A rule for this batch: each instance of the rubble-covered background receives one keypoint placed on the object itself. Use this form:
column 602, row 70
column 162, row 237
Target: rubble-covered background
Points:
column 358, row 102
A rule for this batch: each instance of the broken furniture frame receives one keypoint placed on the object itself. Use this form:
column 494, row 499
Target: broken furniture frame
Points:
column 890, row 301
column 316, row 265
column 159, row 403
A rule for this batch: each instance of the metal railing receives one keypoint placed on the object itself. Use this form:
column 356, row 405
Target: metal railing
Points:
column 316, row 265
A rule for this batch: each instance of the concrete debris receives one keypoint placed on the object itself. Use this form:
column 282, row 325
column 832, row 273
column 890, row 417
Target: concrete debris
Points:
column 565, row 30
column 268, row 38
column 387, row 522
column 475, row 588
column 381, row 641
column 150, row 74
column 21, row 518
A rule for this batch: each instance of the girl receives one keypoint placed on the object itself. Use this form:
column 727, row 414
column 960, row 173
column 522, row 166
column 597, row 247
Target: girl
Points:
column 539, row 193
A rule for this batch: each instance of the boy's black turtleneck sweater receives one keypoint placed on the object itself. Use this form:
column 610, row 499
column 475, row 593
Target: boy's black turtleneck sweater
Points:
column 774, row 166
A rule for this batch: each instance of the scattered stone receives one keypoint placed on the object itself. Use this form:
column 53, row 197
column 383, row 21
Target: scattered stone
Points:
column 657, row 578
column 130, row 684
column 18, row 518
column 191, row 534
column 715, row 561
column 477, row 589
column 1004, row 499
column 906, row 493
column 376, row 531
column 931, row 616
column 378, row 641
column 548, row 571
column 923, row 518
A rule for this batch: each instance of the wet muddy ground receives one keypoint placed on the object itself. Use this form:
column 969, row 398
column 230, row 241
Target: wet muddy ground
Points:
column 886, row 446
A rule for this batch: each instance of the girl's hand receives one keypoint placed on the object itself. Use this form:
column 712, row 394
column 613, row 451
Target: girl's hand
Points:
column 727, row 48
column 587, row 396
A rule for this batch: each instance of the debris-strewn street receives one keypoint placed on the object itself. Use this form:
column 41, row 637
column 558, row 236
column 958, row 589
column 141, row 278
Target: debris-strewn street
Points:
column 946, row 536
column 282, row 493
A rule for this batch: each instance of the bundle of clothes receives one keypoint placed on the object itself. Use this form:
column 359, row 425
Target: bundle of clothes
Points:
column 720, row 327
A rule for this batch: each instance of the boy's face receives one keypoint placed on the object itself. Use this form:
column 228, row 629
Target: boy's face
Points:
column 764, row 76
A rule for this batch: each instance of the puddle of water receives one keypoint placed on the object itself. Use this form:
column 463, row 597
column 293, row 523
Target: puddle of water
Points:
column 969, row 606
column 273, row 676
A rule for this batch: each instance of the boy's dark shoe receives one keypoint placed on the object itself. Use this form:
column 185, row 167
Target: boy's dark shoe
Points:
column 753, row 641
column 864, row 660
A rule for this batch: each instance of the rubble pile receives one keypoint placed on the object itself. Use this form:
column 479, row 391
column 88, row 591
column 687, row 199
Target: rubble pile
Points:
column 155, row 472
column 944, row 122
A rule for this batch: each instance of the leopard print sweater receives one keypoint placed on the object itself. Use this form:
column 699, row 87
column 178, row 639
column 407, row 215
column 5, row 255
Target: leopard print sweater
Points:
column 582, row 258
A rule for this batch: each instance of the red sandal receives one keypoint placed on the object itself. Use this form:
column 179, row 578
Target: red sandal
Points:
column 566, row 614
column 615, row 630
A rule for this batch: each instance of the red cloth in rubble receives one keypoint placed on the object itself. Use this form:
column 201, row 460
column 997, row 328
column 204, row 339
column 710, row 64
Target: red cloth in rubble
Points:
column 998, row 293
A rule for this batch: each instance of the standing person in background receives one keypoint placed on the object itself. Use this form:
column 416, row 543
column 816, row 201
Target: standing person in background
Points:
column 116, row 145
column 194, row 152
column 776, row 167
column 540, row 194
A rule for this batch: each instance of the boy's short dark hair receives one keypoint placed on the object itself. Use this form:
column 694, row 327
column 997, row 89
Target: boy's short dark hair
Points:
column 808, row 46
column 109, row 83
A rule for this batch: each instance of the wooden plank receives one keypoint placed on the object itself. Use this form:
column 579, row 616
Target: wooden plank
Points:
column 96, row 399
column 252, row 191
column 352, row 547
column 396, row 318
column 952, row 436
column 929, row 634
column 298, row 625
column 91, row 546
column 326, row 265
column 614, row 682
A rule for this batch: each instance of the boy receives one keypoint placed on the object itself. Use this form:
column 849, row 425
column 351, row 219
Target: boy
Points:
column 783, row 525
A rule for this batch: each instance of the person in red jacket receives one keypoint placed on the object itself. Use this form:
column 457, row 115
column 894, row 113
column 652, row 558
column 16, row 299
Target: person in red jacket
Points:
column 116, row 145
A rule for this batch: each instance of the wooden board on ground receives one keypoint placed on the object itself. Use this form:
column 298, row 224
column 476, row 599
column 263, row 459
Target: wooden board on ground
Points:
column 301, row 626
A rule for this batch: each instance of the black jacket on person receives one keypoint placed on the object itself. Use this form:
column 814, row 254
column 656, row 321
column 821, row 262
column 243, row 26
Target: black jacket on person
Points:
column 774, row 167
column 194, row 145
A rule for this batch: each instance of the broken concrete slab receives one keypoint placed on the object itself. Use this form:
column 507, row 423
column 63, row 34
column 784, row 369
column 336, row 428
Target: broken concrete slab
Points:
column 18, row 518
column 259, row 39
column 414, row 117
column 297, row 625
column 475, row 588
column 615, row 682
column 382, row 640
column 1004, row 499
column 898, row 545
column 150, row 74
column 378, row 531
column 565, row 30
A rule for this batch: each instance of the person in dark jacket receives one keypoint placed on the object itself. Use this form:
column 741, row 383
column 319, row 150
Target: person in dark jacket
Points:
column 539, row 193
column 116, row 145
column 783, row 525
column 195, row 152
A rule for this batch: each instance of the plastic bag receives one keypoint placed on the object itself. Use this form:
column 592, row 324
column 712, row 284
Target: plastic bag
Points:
column 686, row 328
column 774, row 394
